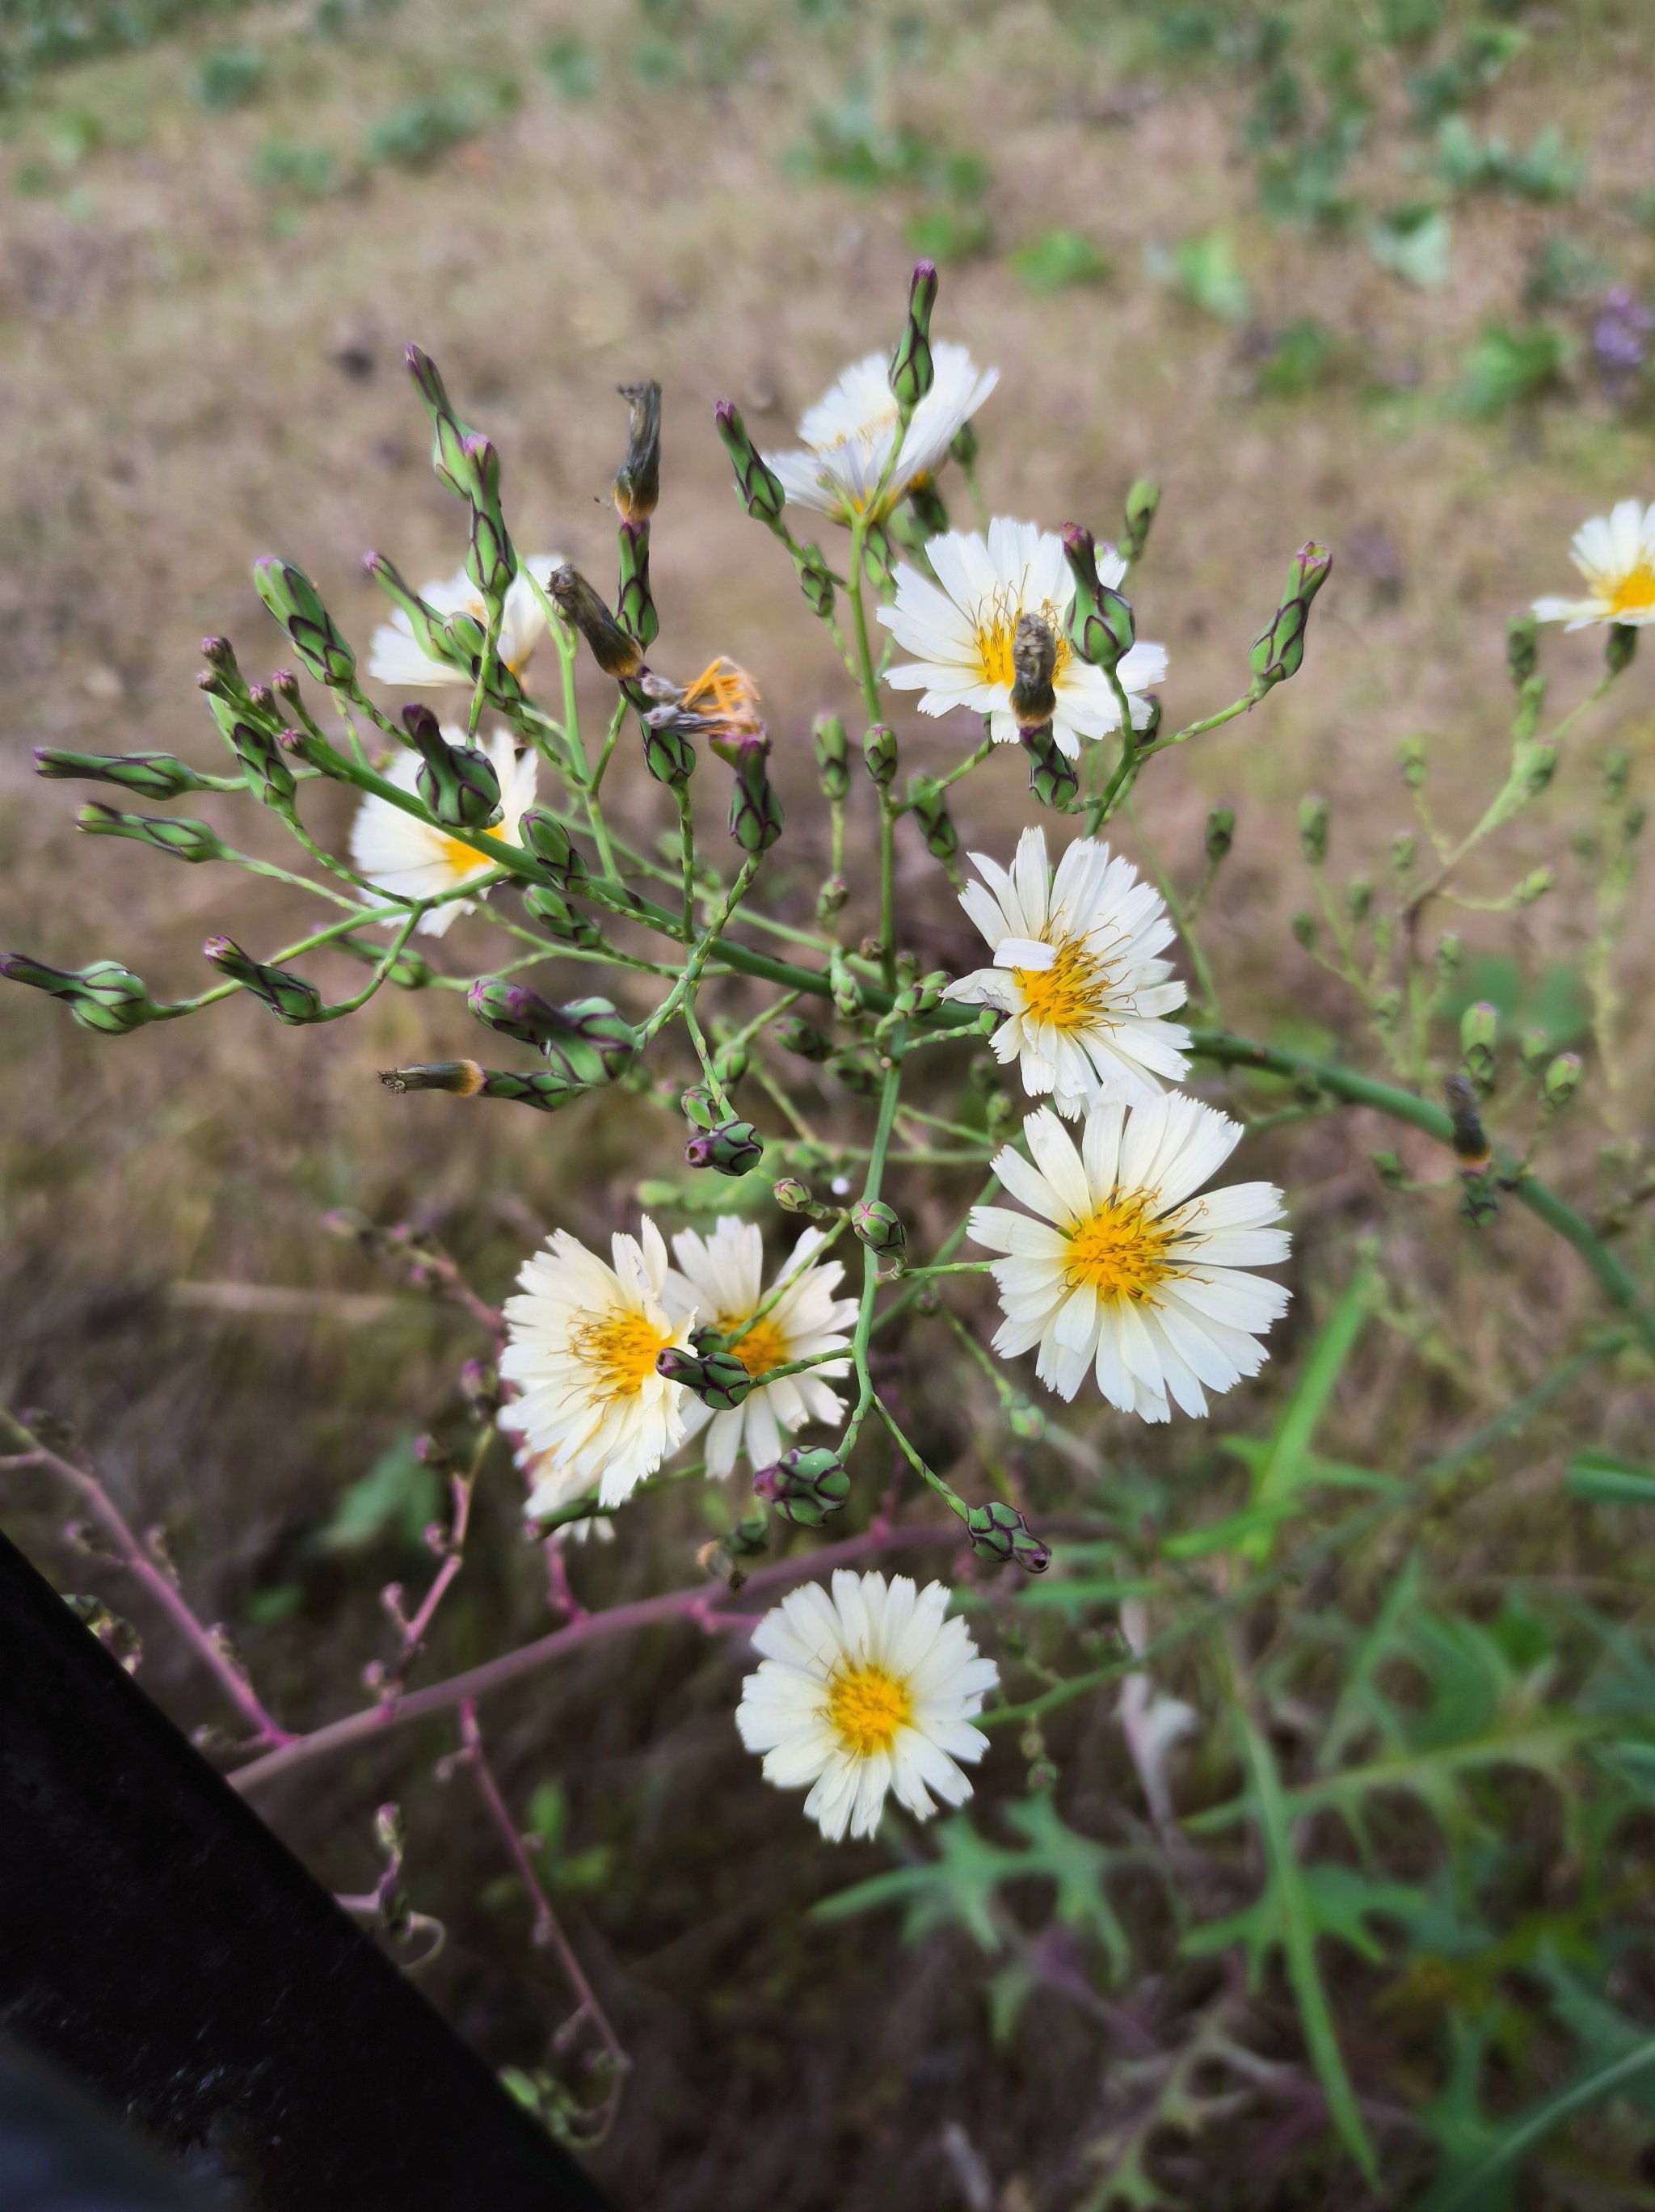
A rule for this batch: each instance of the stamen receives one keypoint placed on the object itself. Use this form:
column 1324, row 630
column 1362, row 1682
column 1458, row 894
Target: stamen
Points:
column 867, row 1706
column 1121, row 1253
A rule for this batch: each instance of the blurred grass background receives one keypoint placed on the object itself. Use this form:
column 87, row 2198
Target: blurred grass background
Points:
column 1339, row 271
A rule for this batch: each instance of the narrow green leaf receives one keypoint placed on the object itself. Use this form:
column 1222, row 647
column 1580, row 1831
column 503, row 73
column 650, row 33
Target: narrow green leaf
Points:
column 1514, row 2144
column 1602, row 1478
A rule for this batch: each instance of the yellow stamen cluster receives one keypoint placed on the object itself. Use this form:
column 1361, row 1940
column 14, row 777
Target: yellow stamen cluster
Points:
column 1634, row 592
column 620, row 1349
column 462, row 860
column 1072, row 993
column 997, row 625
column 763, row 1346
column 1121, row 1252
column 866, row 1706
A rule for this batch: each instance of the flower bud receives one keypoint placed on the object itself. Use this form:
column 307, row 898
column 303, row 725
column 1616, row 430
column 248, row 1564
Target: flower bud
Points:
column 105, row 997
column 634, row 603
column 1033, row 663
column 1100, row 626
column 146, row 776
column 815, row 581
column 1142, row 498
column 1448, row 956
column 758, row 485
column 1303, row 926
column 513, row 1009
column 1532, row 1047
column 697, row 1106
column 794, row 1035
column 637, row 486
column 1534, row 885
column 491, row 561
column 832, row 756
column 831, row 899
column 541, row 833
column 875, row 1225
column 459, row 783
column 1479, row 1034
column 667, row 753
column 1522, row 649
column 1403, row 852
column 1562, row 1080
column 288, row 997
column 792, row 1196
column 1221, row 833
column 755, row 816
column 1620, row 648
column 1538, row 764
column 964, row 446
column 185, row 840
column 429, row 626
column 256, row 740
column 805, row 1485
column 931, row 811
column 293, row 599
column 1410, row 755
column 1052, row 774
column 546, row 1090
column 879, row 754
column 911, row 371
column 617, row 655
column 455, row 467
column 878, row 558
column 999, row 1532
column 1278, row 651
column 1312, row 829
column 846, row 991
column 732, row 1147
column 1358, row 900
column 717, row 1378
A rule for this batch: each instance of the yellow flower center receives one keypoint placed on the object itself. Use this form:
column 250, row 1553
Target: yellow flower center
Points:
column 1072, row 993
column 866, row 1706
column 620, row 1349
column 764, row 1346
column 997, row 625
column 1121, row 1252
column 461, row 860
column 1634, row 592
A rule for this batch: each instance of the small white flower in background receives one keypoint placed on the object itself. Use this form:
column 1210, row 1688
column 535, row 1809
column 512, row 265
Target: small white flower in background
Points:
column 961, row 627
column 582, row 1339
column 417, row 859
column 552, row 1486
column 1616, row 554
column 1077, row 970
column 869, row 1690
column 1126, row 1272
column 849, row 433
column 395, row 656
column 722, row 1276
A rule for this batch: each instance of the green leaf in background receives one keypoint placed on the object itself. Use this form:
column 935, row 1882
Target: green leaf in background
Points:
column 1058, row 258
column 1484, row 56
column 280, row 165
column 1414, row 243
column 1202, row 271
column 947, row 234
column 1505, row 366
column 418, row 133
column 230, row 78
column 571, row 65
column 1304, row 354
column 397, row 1497
column 1598, row 1477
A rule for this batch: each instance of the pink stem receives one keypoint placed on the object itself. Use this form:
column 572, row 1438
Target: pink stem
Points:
column 619, row 1619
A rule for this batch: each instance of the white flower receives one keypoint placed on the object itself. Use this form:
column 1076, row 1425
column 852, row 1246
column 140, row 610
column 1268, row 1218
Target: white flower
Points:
column 849, row 433
column 396, row 657
column 416, row 859
column 963, row 632
column 1126, row 1270
column 722, row 1276
column 868, row 1691
column 1616, row 554
column 582, row 1341
column 552, row 1486
column 1077, row 967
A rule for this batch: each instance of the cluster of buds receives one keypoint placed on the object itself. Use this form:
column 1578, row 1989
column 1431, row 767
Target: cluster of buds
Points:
column 805, row 1485
column 105, row 997
column 545, row 1089
column 145, row 776
column 296, row 604
column 719, row 1141
column 929, row 810
column 586, row 1043
column 468, row 464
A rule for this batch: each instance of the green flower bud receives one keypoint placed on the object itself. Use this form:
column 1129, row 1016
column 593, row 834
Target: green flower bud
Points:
column 831, row 899
column 848, row 992
column 408, row 971
column 929, row 514
column 1312, row 829
column 732, row 1147
column 293, row 599
column 878, row 560
column 1402, row 849
column 457, row 783
column 146, row 776
column 1278, row 651
column 1479, row 1197
column 1142, row 498
column 1522, row 649
column 1530, row 698
column 1220, row 833
column 1632, row 821
column 1532, row 1047
column 540, row 833
column 1052, row 776
column 287, row 996
column 1303, row 926
column 105, row 997
column 1024, row 1418
column 1534, row 885
column 1620, row 648
column 755, row 816
column 699, row 1108
column 832, row 756
column 1358, row 900
column 815, row 582
column 616, row 652
column 546, row 1090
column 1101, row 625
column 879, row 755
column 634, row 603
column 257, row 748
column 999, row 1532
column 185, row 840
column 429, row 626
column 491, row 561
column 931, row 811
column 805, row 1485
column 911, row 372
column 758, row 485
column 1411, row 754
column 796, row 1035
column 964, row 446
column 455, row 466
column 637, row 486
column 717, row 1378
column 877, row 1225
column 1479, row 1034
column 1390, row 1170
column 1538, row 766
column 1449, row 954
column 513, row 1010
column 1563, row 1080
column 667, row 753
column 793, row 1196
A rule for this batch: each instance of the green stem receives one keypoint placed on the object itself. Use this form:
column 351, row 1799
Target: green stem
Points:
column 865, row 1320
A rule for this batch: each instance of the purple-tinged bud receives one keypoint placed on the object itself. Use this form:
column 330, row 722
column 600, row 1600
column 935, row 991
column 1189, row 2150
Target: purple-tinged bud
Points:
column 105, row 997
column 999, row 1532
column 877, row 1225
column 1562, row 1080
column 1052, row 776
column 1142, row 498
column 879, row 755
column 733, row 1148
column 564, row 923
column 755, row 815
column 541, row 833
column 793, row 1196
column 428, row 625
column 931, row 811
column 832, row 756
column 287, row 996
column 183, row 839
column 815, row 581
column 146, row 776
column 633, row 602
column 912, row 372
column 1100, row 626
column 719, row 1379
column 805, row 1485
column 757, row 483
column 455, row 467
column 796, row 1035
column 294, row 600
column 1278, row 651
column 459, row 783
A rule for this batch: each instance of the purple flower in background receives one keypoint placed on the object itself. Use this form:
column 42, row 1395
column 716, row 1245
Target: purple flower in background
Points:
column 1619, row 336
